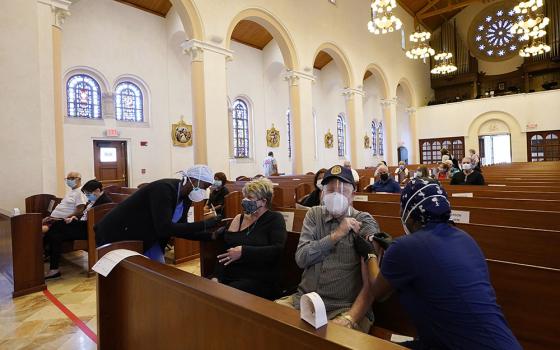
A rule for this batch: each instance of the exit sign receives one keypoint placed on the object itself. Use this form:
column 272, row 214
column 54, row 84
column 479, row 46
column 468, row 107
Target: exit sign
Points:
column 112, row 133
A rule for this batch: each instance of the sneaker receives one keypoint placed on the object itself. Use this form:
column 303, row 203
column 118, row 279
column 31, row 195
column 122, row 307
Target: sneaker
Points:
column 53, row 276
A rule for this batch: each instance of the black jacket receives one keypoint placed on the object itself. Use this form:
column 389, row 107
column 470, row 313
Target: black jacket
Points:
column 474, row 178
column 146, row 216
column 103, row 199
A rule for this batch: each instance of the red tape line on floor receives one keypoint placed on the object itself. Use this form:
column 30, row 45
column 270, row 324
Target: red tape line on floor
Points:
column 79, row 323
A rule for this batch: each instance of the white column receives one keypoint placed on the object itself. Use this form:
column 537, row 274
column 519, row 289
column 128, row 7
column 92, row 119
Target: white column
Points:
column 301, row 107
column 390, row 129
column 414, row 155
column 355, row 111
column 210, row 109
column 51, row 16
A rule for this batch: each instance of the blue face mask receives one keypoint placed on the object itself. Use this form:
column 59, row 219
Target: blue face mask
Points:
column 249, row 206
column 71, row 183
column 217, row 183
column 91, row 197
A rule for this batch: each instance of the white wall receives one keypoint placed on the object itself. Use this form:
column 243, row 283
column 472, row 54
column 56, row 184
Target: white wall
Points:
column 468, row 117
column 21, row 172
column 328, row 103
column 403, row 123
column 373, row 90
column 130, row 42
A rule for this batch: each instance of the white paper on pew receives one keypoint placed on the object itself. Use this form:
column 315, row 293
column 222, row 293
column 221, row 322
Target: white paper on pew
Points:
column 396, row 338
column 313, row 310
column 275, row 184
column 289, row 218
column 371, row 180
column 51, row 206
column 190, row 214
column 497, row 185
column 460, row 216
column 361, row 198
column 513, row 178
column 106, row 264
column 296, row 179
column 466, row 195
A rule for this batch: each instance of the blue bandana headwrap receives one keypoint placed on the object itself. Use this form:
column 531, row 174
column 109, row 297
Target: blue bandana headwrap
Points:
column 425, row 201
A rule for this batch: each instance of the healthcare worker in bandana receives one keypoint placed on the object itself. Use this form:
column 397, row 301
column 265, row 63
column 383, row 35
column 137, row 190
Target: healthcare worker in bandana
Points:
column 159, row 211
column 441, row 277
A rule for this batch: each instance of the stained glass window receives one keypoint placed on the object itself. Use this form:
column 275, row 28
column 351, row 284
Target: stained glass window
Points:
column 83, row 97
column 341, row 135
column 374, row 137
column 490, row 36
column 129, row 102
column 240, row 129
column 426, row 152
column 380, row 138
column 289, row 128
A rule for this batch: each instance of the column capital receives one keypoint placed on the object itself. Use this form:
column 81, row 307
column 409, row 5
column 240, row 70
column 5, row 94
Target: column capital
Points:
column 60, row 10
column 293, row 77
column 387, row 102
column 196, row 49
column 349, row 93
column 410, row 110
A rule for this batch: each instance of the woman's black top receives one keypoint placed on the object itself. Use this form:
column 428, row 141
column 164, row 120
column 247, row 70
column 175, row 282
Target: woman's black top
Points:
column 313, row 199
column 217, row 198
column 146, row 216
column 262, row 247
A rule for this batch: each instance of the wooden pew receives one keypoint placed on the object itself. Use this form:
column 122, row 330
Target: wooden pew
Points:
column 118, row 197
column 232, row 204
column 186, row 249
column 547, row 220
column 21, row 252
column 146, row 305
column 95, row 215
column 135, row 246
column 41, row 203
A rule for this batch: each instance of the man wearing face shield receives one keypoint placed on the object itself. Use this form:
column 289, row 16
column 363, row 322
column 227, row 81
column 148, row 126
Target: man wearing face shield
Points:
column 441, row 277
column 158, row 211
column 330, row 254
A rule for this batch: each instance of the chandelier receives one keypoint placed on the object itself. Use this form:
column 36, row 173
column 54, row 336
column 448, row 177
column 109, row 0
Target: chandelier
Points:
column 525, row 7
column 421, row 47
column 382, row 19
column 536, row 47
column 444, row 65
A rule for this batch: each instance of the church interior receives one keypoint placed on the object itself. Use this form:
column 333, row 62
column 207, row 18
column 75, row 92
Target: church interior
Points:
column 128, row 92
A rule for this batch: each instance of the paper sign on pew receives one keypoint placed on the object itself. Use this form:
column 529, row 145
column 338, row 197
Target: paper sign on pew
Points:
column 465, row 195
column 460, row 216
column 289, row 218
column 497, row 185
column 361, row 198
column 108, row 261
column 312, row 310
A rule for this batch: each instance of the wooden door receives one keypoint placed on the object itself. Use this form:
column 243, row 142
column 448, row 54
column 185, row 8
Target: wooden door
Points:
column 110, row 162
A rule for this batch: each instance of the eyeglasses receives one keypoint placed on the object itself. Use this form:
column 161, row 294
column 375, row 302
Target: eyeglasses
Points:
column 72, row 178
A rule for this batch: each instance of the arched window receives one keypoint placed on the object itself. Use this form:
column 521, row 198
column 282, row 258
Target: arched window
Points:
column 380, row 138
column 240, row 129
column 83, row 97
column 458, row 150
column 426, row 152
column 436, row 151
column 374, row 137
column 129, row 102
column 289, row 129
column 552, row 147
column 341, row 135
column 537, row 148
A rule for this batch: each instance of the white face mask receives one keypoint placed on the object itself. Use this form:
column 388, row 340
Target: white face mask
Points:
column 467, row 166
column 319, row 184
column 197, row 194
column 336, row 203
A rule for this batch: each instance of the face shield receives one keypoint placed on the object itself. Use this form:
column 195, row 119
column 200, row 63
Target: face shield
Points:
column 337, row 197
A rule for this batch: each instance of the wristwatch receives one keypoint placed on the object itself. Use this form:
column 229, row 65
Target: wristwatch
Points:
column 353, row 324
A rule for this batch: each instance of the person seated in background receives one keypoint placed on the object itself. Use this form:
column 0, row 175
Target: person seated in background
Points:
column 355, row 174
column 254, row 244
column 218, row 191
column 402, row 173
column 441, row 278
column 385, row 183
column 422, row 171
column 314, row 198
column 443, row 171
column 452, row 168
column 73, row 227
column 329, row 252
column 72, row 204
column 475, row 160
column 468, row 176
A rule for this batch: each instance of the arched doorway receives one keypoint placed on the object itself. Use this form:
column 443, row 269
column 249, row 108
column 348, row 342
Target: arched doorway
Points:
column 402, row 153
column 494, row 142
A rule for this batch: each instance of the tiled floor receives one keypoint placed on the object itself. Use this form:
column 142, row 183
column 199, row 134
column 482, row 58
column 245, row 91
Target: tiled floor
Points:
column 34, row 322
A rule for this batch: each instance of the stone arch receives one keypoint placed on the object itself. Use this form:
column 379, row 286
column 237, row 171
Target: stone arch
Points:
column 380, row 74
column 341, row 60
column 518, row 136
column 408, row 88
column 274, row 27
column 190, row 17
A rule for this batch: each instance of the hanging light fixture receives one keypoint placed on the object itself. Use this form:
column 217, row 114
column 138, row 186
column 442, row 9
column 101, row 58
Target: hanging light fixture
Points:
column 382, row 19
column 530, row 27
column 444, row 64
column 534, row 48
column 421, row 47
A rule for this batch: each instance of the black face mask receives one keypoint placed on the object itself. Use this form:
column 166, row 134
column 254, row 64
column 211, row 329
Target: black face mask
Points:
column 384, row 177
column 249, row 206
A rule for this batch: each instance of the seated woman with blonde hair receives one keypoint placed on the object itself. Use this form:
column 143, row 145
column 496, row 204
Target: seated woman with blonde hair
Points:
column 254, row 244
